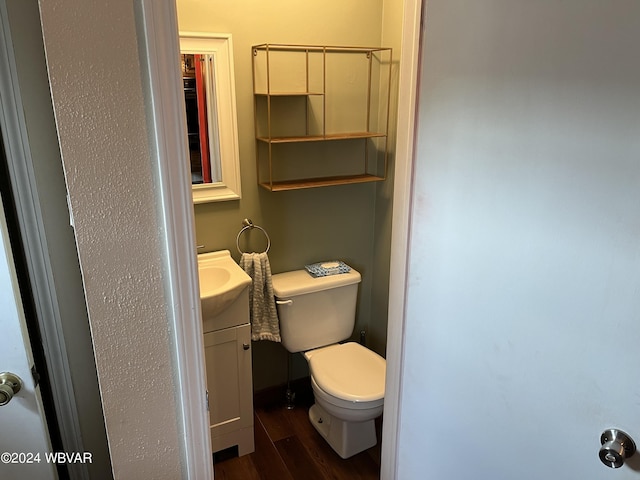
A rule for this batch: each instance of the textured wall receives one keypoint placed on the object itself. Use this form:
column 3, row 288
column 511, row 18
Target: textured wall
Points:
column 48, row 174
column 91, row 50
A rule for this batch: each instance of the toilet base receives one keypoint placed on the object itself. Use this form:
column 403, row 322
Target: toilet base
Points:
column 346, row 438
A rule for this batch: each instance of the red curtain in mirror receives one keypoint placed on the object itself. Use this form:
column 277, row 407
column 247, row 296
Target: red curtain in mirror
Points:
column 202, row 119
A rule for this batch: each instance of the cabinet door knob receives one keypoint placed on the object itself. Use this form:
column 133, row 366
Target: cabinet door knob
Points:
column 246, row 346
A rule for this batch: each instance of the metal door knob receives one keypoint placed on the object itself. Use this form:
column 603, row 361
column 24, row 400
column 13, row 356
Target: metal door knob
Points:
column 10, row 384
column 616, row 447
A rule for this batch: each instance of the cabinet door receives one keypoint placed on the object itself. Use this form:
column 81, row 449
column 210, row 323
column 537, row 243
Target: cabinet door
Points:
column 229, row 381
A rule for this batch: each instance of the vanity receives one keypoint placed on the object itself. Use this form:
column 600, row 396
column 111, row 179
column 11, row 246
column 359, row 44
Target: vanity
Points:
column 224, row 294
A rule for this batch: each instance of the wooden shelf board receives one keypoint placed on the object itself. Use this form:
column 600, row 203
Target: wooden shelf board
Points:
column 320, row 182
column 322, row 138
column 287, row 94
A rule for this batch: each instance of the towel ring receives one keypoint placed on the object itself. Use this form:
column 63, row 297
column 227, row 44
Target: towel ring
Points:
column 248, row 225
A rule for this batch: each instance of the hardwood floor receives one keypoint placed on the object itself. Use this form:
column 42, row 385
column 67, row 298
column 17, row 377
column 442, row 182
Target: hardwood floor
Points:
column 287, row 447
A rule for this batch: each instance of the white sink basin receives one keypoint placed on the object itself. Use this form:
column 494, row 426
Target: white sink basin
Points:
column 221, row 282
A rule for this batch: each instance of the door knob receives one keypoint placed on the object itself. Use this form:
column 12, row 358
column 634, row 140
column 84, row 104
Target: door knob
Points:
column 616, row 446
column 10, row 384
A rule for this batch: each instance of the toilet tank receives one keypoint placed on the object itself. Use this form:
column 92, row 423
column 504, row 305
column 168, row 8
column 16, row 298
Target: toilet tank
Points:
column 315, row 311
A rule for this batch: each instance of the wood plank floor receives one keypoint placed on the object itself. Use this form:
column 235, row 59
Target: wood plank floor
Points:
column 289, row 448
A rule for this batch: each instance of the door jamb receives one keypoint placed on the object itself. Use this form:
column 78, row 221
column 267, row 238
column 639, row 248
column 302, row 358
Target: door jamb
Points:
column 402, row 194
column 158, row 30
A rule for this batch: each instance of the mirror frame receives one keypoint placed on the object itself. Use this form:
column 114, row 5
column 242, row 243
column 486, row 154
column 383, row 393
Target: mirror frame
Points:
column 220, row 47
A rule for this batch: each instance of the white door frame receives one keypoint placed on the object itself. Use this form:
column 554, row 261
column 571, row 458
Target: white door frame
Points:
column 402, row 190
column 24, row 417
column 158, row 27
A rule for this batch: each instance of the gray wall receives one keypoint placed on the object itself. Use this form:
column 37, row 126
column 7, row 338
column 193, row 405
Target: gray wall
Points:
column 524, row 255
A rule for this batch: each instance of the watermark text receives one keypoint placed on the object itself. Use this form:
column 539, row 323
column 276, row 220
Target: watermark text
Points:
column 25, row 458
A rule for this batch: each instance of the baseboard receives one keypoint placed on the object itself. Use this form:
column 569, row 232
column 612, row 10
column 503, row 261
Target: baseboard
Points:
column 275, row 395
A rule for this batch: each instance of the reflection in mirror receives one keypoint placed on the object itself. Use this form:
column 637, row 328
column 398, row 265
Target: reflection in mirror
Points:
column 202, row 125
column 209, row 92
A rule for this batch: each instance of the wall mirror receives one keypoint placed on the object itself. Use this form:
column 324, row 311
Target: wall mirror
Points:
column 206, row 61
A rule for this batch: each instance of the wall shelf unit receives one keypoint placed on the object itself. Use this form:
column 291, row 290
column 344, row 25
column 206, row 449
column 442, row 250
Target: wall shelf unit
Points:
column 321, row 114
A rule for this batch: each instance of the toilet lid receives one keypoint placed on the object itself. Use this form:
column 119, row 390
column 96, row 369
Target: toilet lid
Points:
column 349, row 371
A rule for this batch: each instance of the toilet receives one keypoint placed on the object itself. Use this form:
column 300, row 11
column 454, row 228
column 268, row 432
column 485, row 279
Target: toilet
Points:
column 316, row 313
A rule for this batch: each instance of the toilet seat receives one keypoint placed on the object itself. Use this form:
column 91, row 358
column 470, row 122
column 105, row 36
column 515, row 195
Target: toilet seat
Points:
column 349, row 372
column 322, row 396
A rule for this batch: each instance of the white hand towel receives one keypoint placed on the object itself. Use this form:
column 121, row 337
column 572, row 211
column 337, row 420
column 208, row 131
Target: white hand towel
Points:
column 262, row 305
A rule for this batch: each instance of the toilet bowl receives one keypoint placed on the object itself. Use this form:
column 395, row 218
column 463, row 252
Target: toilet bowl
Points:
column 316, row 313
column 344, row 409
column 348, row 387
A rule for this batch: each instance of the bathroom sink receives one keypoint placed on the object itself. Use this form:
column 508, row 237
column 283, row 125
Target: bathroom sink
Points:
column 221, row 282
column 212, row 278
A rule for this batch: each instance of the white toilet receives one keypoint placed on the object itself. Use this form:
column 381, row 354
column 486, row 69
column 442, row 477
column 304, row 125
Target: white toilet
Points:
column 347, row 379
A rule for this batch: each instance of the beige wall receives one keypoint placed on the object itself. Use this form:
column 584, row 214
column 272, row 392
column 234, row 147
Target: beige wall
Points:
column 391, row 37
column 305, row 226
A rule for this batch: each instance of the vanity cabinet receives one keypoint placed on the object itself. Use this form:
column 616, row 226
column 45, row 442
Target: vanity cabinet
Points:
column 229, row 377
column 321, row 114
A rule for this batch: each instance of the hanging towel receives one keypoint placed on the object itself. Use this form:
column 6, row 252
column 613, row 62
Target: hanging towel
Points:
column 262, row 305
